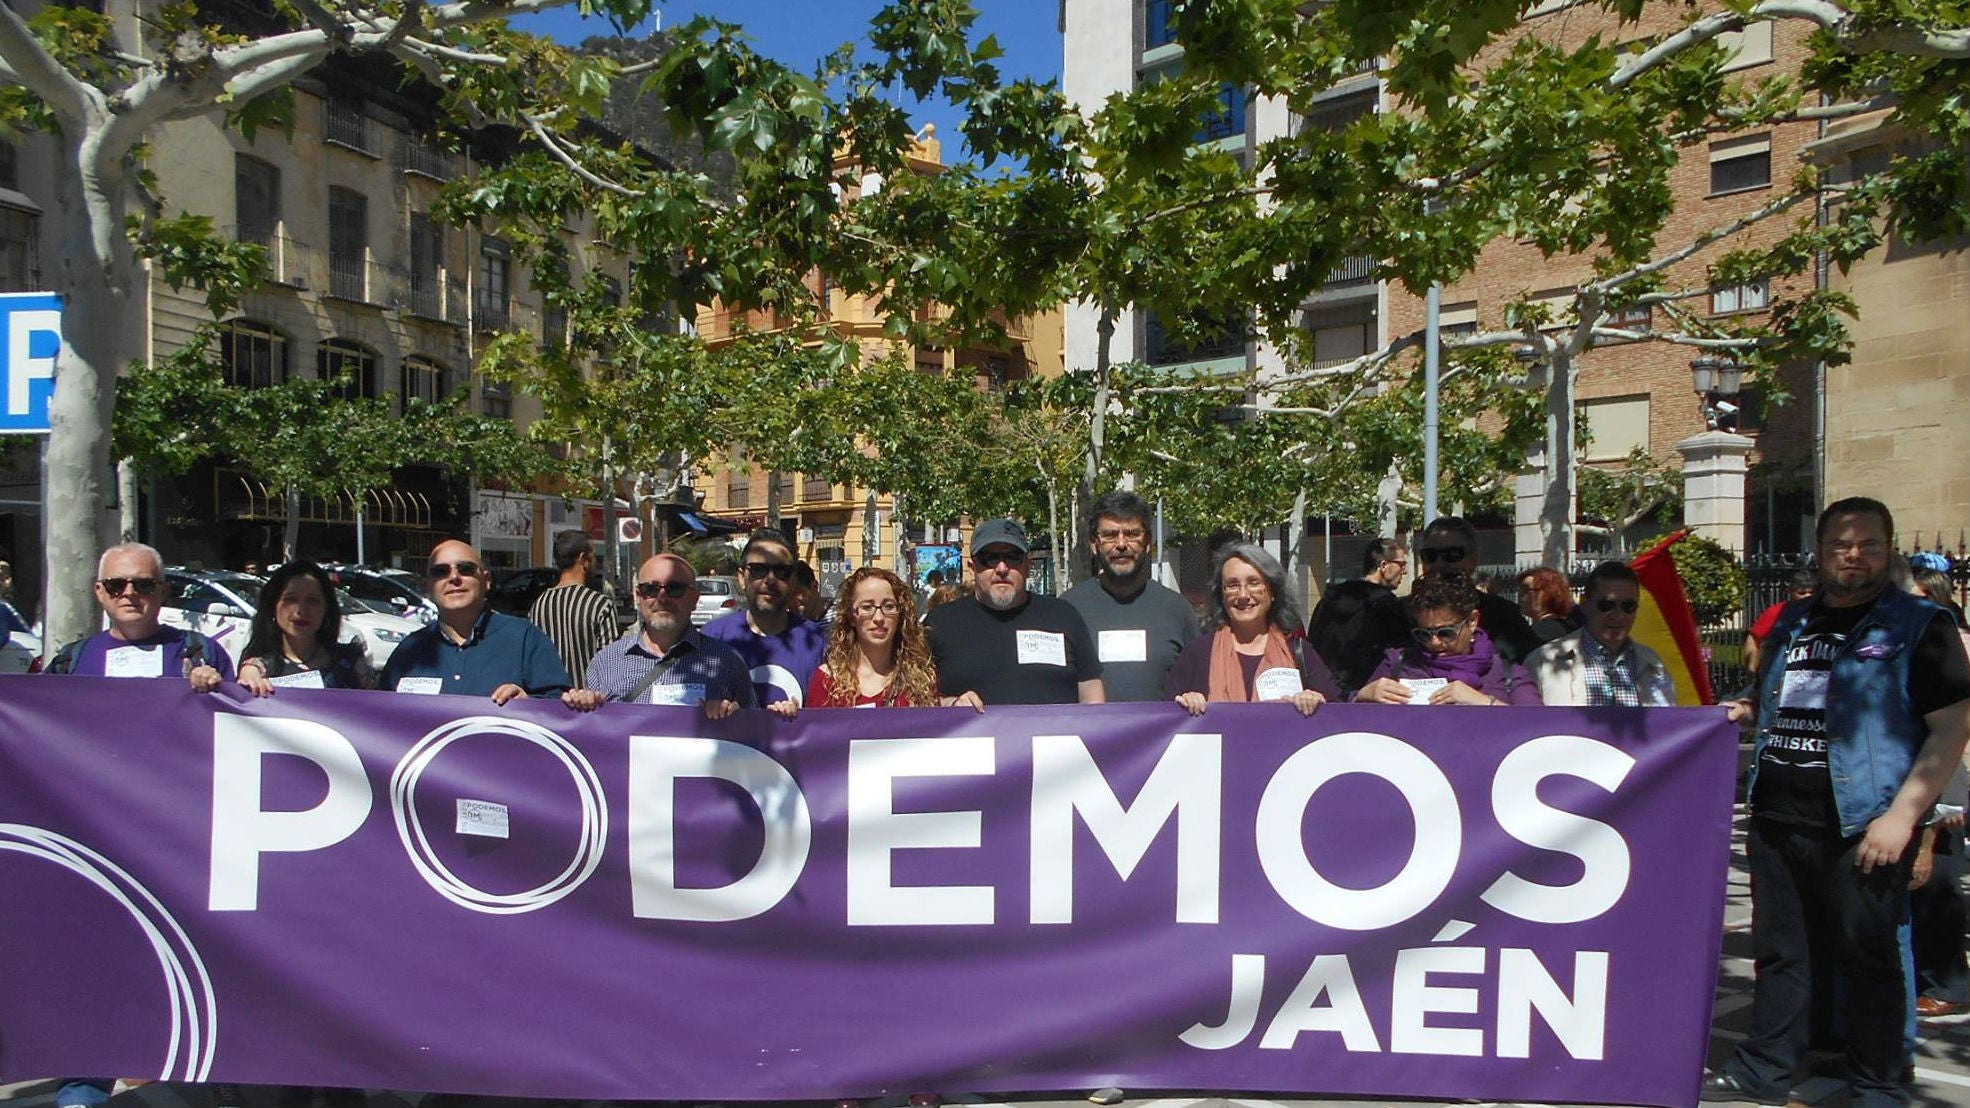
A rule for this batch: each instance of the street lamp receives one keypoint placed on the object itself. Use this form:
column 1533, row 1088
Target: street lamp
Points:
column 1718, row 382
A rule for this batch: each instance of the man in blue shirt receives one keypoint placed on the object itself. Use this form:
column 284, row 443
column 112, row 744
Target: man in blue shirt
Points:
column 472, row 650
column 665, row 661
column 782, row 647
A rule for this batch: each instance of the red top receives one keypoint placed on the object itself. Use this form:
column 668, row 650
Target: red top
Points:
column 1767, row 620
column 821, row 694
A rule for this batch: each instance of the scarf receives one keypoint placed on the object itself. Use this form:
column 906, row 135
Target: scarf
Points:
column 1228, row 677
column 1468, row 668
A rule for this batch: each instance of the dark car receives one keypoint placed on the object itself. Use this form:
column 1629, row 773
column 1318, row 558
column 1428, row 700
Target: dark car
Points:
column 514, row 592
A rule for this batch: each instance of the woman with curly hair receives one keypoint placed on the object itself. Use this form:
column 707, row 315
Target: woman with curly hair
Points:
column 877, row 656
column 1453, row 661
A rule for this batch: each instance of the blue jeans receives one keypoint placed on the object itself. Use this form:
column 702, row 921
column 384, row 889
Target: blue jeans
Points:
column 83, row 1092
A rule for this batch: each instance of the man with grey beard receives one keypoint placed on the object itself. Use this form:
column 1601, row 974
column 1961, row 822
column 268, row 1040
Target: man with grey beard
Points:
column 1005, row 645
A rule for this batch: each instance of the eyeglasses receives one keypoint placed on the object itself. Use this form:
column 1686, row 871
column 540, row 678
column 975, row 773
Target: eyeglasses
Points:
column 650, row 590
column 1871, row 548
column 868, row 608
column 758, row 570
column 992, row 559
column 441, row 570
column 1111, row 538
column 1428, row 635
column 142, row 586
column 1443, row 554
column 1609, row 604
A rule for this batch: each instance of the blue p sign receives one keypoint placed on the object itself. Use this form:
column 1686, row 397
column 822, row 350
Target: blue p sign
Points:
column 30, row 341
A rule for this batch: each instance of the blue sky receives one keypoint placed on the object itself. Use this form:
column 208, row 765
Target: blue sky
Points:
column 801, row 32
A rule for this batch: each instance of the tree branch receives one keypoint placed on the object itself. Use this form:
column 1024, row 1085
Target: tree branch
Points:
column 1776, row 207
column 30, row 64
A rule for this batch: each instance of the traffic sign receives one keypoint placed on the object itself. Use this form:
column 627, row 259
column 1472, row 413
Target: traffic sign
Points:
column 629, row 529
column 30, row 341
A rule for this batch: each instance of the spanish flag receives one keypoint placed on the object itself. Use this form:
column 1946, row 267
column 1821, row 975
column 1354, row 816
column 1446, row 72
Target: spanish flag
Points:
column 1666, row 623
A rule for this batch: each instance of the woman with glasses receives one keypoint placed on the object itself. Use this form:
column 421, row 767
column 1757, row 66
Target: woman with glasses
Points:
column 295, row 637
column 1601, row 665
column 877, row 656
column 1256, row 650
column 1452, row 661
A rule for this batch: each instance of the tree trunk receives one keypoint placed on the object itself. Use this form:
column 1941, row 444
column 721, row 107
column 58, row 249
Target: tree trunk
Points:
column 1053, row 535
column 290, row 534
column 95, row 278
column 1098, row 416
column 1556, row 513
column 128, row 501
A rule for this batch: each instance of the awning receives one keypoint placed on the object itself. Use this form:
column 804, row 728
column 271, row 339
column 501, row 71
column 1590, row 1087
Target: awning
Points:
column 685, row 519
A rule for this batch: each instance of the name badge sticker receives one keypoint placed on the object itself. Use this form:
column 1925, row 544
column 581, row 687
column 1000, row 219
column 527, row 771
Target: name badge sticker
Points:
column 482, row 818
column 307, row 679
column 134, row 661
column 1277, row 683
column 1422, row 688
column 1042, row 648
column 1127, row 645
column 421, row 686
column 685, row 695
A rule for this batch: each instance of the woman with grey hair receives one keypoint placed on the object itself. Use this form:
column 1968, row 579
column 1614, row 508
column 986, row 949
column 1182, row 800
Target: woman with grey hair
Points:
column 1256, row 649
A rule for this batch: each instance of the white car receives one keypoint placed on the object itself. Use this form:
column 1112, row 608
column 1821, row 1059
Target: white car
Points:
column 220, row 606
column 716, row 596
column 19, row 651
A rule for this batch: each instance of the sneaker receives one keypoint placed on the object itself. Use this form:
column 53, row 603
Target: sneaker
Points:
column 1724, row 1085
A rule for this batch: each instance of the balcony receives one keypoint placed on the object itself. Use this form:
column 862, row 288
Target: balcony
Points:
column 414, row 155
column 344, row 123
column 431, row 295
column 348, row 277
column 816, row 490
column 491, row 312
column 1356, row 270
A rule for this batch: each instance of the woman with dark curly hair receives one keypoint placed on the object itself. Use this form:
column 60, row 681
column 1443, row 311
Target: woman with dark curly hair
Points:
column 293, row 641
column 1453, row 661
column 1547, row 602
column 877, row 656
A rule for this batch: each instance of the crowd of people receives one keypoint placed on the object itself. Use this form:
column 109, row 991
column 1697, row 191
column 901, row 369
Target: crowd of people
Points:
column 1860, row 701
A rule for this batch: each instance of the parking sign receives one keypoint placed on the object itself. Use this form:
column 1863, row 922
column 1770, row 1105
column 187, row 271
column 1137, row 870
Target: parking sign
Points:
column 30, row 340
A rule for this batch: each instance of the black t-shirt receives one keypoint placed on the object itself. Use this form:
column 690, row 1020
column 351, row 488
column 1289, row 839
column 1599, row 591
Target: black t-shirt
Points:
column 1037, row 653
column 1793, row 782
column 1356, row 623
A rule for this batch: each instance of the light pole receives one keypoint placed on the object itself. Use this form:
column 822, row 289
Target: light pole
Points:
column 1718, row 381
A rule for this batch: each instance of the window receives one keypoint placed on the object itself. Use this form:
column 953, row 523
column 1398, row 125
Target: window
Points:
column 738, row 488
column 930, row 360
column 1227, row 120
column 998, row 370
column 554, row 325
column 1339, row 112
column 10, row 177
column 1740, row 164
column 348, row 244
column 351, row 367
column 1635, row 318
column 495, row 269
column 256, row 200
column 254, row 354
column 1159, row 25
column 1748, row 47
column 344, row 123
column 423, row 379
column 20, row 249
column 1457, row 319
column 1616, row 426
column 1741, row 298
column 1224, row 338
column 612, row 291
column 427, row 266
column 496, row 400
column 1341, row 334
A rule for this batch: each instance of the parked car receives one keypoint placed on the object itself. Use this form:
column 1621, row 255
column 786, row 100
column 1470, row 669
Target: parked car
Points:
column 220, row 606
column 515, row 591
column 398, row 591
column 716, row 596
column 20, row 652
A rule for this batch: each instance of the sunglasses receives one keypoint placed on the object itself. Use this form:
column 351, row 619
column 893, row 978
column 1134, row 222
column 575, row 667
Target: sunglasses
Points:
column 992, row 560
column 1607, row 604
column 650, row 590
column 142, row 586
column 758, row 571
column 1443, row 554
column 441, row 570
column 1439, row 634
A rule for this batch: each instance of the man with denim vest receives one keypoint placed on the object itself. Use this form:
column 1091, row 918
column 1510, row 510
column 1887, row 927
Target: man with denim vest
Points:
column 1862, row 706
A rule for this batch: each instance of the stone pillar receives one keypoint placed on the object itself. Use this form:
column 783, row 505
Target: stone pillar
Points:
column 1528, row 500
column 1714, row 465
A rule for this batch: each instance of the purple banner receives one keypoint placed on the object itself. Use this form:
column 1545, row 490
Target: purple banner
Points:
column 388, row 891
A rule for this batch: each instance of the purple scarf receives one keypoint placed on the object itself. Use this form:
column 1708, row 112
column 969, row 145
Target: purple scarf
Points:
column 1470, row 668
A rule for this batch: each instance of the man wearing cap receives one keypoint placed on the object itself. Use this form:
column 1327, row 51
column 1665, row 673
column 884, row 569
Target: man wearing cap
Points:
column 1139, row 626
column 1006, row 645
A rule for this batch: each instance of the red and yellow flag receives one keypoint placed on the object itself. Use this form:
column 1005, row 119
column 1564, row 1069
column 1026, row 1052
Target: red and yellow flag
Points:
column 1667, row 624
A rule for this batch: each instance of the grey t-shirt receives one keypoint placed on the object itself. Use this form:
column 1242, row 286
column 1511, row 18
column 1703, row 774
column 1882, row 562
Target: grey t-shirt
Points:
column 1138, row 639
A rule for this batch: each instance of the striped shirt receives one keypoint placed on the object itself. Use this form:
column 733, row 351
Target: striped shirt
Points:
column 579, row 620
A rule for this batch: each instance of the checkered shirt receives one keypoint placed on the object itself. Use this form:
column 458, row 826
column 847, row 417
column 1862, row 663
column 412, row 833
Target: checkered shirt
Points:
column 1610, row 677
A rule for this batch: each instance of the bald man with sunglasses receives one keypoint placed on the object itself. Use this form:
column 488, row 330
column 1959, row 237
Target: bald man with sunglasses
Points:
column 663, row 660
column 472, row 650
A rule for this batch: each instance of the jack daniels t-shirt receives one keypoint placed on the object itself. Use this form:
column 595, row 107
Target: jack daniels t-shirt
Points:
column 1794, row 784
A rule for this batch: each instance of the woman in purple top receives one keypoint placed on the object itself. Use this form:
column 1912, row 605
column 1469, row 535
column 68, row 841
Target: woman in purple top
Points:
column 1453, row 661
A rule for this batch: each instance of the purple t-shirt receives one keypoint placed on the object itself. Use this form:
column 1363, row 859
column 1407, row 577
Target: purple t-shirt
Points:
column 161, row 655
column 781, row 664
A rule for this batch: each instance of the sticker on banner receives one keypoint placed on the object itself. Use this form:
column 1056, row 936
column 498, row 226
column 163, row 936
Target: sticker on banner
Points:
column 1042, row 648
column 1422, row 688
column 685, row 694
column 310, row 679
column 1278, row 683
column 134, row 661
column 481, row 817
column 421, row 686
column 1129, row 645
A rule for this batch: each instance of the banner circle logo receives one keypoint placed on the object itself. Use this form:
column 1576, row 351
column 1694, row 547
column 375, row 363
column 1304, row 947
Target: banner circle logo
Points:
column 194, row 1007
column 594, row 816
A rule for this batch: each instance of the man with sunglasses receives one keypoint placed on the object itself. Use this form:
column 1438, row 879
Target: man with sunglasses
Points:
column 781, row 646
column 472, row 650
column 1006, row 645
column 665, row 661
column 1449, row 547
column 130, row 588
column 1601, row 665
